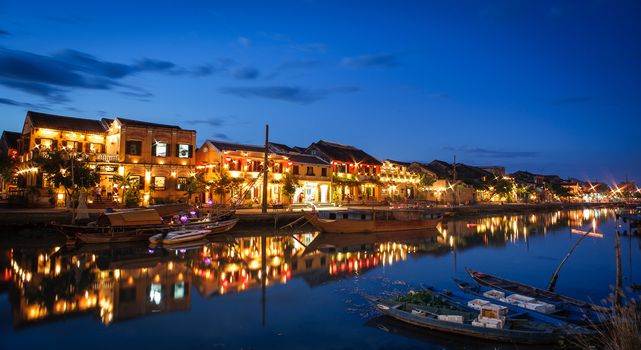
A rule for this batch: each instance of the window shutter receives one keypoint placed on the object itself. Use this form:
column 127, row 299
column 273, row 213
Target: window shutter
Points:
column 168, row 150
column 191, row 151
column 153, row 149
column 177, row 150
column 54, row 145
column 127, row 147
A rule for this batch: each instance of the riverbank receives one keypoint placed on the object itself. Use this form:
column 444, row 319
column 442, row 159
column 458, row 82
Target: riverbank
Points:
column 21, row 218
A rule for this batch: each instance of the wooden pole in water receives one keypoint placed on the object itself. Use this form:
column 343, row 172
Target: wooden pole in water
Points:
column 619, row 287
column 555, row 276
column 265, row 170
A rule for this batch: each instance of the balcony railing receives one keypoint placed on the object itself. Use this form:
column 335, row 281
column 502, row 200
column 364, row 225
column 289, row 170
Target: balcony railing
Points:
column 103, row 157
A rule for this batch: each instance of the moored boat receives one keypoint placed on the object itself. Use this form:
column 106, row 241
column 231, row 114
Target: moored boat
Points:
column 180, row 236
column 458, row 314
column 531, row 291
column 367, row 221
column 562, row 311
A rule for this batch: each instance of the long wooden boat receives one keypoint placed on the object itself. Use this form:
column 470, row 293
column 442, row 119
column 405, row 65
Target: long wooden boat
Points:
column 531, row 291
column 143, row 234
column 367, row 221
column 132, row 219
column 562, row 311
column 451, row 313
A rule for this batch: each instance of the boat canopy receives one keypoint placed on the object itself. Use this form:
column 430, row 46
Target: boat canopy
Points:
column 130, row 218
column 170, row 209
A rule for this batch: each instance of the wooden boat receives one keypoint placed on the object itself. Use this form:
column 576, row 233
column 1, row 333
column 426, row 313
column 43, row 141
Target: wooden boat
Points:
column 530, row 291
column 458, row 314
column 366, row 221
column 157, row 216
column 589, row 233
column 562, row 311
column 123, row 233
column 181, row 236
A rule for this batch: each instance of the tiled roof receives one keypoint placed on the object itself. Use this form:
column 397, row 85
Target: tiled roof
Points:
column 464, row 172
column 131, row 122
column 280, row 148
column 307, row 159
column 343, row 153
column 228, row 146
column 10, row 138
column 59, row 122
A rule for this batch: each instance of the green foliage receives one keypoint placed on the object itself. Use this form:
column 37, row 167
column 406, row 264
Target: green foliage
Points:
column 224, row 183
column 7, row 167
column 131, row 196
column 57, row 167
column 195, row 184
column 560, row 191
column 426, row 180
column 290, row 182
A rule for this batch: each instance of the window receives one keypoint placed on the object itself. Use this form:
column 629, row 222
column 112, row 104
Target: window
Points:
column 323, row 172
column 278, row 168
column 45, row 144
column 181, row 183
column 73, row 146
column 341, row 168
column 159, row 149
column 159, row 183
column 179, row 290
column 133, row 148
column 183, row 151
column 95, row 148
column 295, row 170
column 310, row 171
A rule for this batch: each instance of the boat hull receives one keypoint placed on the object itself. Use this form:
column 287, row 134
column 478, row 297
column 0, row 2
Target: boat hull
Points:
column 530, row 291
column 501, row 335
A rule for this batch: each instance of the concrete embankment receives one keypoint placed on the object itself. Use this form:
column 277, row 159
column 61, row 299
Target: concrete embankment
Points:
column 18, row 218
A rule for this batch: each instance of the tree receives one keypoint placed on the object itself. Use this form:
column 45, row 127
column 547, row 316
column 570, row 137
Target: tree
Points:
column 7, row 167
column 195, row 184
column 290, row 182
column 223, row 183
column 131, row 190
column 69, row 170
column 560, row 191
column 426, row 181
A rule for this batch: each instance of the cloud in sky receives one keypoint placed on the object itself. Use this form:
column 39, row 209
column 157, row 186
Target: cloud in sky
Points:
column 293, row 65
column 491, row 153
column 293, row 94
column 4, row 32
column 385, row 60
column 209, row 121
column 52, row 76
column 220, row 136
column 245, row 73
column 10, row 102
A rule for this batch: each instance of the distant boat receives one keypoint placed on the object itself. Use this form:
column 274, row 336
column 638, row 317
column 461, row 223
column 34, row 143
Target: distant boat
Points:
column 366, row 221
column 562, row 311
column 180, row 236
column 534, row 292
column 458, row 314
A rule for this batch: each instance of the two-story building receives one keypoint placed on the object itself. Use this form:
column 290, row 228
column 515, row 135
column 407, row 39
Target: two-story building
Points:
column 246, row 162
column 355, row 173
column 158, row 157
column 399, row 180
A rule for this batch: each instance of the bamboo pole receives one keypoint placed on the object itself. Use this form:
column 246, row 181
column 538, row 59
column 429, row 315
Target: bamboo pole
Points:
column 555, row 276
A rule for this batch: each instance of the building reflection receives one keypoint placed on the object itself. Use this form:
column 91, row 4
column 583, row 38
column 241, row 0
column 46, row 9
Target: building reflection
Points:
column 121, row 282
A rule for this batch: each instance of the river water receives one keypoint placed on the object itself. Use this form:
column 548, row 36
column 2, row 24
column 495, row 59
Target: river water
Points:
column 258, row 290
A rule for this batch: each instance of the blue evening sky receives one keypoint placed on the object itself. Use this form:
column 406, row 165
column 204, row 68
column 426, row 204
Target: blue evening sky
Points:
column 545, row 86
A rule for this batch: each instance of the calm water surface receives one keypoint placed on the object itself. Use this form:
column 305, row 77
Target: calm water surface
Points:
column 303, row 290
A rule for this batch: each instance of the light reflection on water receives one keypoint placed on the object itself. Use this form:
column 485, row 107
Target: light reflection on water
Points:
column 115, row 283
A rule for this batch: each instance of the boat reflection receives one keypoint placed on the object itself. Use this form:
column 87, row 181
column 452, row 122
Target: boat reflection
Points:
column 130, row 280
